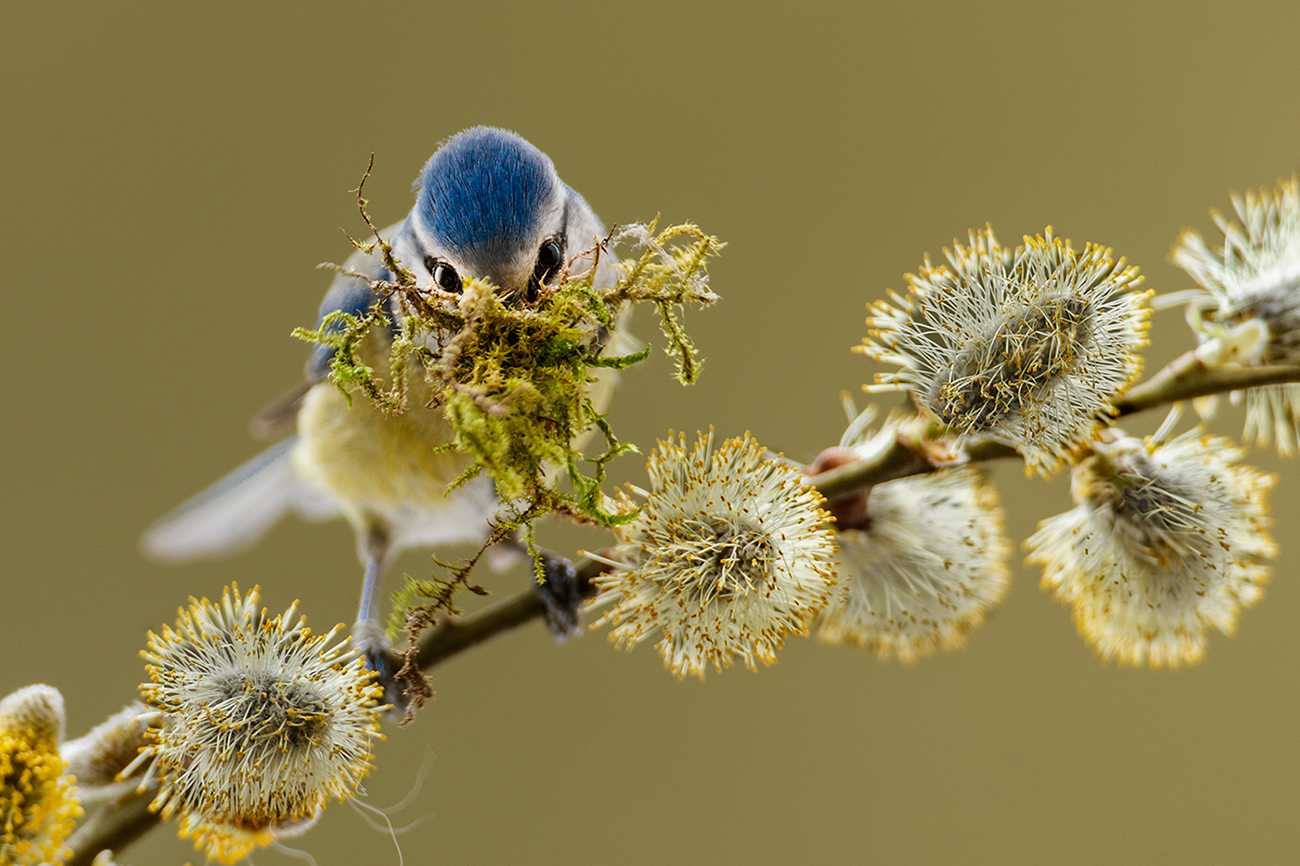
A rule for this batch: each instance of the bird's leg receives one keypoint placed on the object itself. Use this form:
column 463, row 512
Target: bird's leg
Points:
column 558, row 589
column 368, row 633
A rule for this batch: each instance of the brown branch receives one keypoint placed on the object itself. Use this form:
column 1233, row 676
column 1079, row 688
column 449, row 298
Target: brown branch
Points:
column 1186, row 378
column 113, row 827
column 126, row 819
column 455, row 636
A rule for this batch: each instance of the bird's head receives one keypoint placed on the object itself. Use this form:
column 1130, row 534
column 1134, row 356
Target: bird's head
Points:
column 489, row 205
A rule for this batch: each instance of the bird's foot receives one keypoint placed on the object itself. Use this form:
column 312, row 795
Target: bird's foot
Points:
column 559, row 590
column 383, row 661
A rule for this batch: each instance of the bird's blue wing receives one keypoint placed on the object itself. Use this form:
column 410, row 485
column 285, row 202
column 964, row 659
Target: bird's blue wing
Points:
column 346, row 294
column 354, row 297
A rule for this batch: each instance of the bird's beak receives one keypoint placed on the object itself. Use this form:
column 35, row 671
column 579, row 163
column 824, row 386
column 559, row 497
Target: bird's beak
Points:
column 517, row 290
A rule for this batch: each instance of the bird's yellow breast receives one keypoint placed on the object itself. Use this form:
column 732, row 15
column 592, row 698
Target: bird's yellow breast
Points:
column 370, row 461
column 376, row 464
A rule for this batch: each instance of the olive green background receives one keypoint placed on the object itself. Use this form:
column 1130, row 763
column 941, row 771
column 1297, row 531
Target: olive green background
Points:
column 171, row 176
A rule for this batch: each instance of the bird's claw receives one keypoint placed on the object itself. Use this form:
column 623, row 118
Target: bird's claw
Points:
column 559, row 591
column 381, row 660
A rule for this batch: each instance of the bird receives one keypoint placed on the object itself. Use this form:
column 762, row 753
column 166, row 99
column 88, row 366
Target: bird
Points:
column 490, row 206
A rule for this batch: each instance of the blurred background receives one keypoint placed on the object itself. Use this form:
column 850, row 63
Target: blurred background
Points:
column 173, row 174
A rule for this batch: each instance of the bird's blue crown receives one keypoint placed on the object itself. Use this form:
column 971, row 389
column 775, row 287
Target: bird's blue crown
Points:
column 484, row 189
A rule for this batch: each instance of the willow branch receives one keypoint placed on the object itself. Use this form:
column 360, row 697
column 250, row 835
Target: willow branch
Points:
column 455, row 636
column 1184, row 378
column 126, row 819
column 113, row 827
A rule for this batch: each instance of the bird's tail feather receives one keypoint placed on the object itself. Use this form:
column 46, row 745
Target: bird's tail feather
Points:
column 234, row 513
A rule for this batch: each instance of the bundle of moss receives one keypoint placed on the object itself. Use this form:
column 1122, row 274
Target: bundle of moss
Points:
column 514, row 381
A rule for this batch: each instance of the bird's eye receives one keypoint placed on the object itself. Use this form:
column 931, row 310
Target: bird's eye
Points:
column 549, row 259
column 444, row 275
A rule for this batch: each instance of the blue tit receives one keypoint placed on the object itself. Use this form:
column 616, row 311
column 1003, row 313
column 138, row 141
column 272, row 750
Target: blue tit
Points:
column 488, row 205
